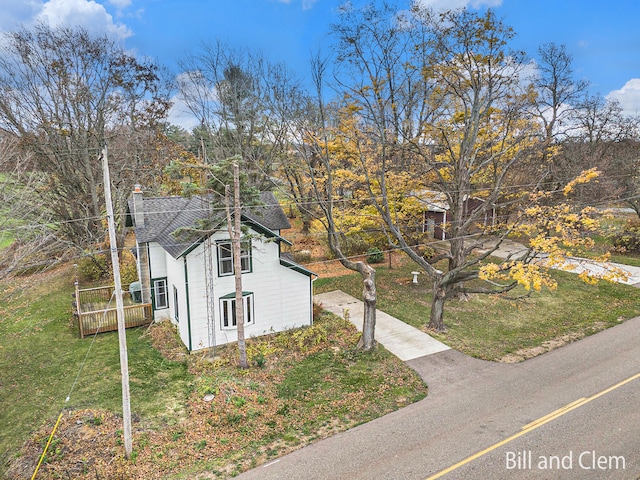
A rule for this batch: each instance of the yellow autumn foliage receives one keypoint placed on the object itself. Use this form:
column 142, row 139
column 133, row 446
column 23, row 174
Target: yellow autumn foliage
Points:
column 530, row 276
column 557, row 234
column 585, row 177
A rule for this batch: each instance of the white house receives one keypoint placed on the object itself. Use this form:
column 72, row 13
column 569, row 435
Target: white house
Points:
column 189, row 277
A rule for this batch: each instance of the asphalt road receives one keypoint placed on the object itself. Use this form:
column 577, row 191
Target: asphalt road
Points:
column 571, row 413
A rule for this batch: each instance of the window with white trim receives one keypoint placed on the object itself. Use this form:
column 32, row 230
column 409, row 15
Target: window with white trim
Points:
column 225, row 258
column 228, row 309
column 160, row 294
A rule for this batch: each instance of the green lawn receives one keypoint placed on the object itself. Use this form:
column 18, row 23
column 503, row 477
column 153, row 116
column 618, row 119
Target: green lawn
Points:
column 41, row 355
column 303, row 385
column 491, row 327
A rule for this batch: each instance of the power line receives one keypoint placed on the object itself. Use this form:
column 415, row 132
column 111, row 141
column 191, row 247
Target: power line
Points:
column 345, row 201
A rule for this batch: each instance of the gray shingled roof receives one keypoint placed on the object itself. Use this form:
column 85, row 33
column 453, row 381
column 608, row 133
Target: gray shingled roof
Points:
column 164, row 215
column 269, row 213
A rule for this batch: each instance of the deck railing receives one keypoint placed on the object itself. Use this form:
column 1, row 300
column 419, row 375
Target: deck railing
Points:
column 96, row 309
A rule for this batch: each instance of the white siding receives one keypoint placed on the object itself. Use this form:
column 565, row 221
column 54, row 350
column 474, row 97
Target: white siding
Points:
column 282, row 296
column 157, row 260
column 175, row 277
column 198, row 298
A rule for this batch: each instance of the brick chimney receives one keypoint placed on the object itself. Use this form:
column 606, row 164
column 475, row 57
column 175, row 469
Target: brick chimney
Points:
column 138, row 206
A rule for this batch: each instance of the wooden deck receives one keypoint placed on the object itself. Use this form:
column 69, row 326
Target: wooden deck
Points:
column 96, row 309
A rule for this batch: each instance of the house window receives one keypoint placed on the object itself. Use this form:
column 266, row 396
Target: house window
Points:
column 160, row 294
column 228, row 309
column 175, row 303
column 225, row 258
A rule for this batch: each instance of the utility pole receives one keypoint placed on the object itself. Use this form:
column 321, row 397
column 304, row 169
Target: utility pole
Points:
column 122, row 338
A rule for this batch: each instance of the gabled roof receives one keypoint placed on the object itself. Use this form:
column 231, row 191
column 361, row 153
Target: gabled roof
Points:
column 164, row 215
column 435, row 201
column 288, row 262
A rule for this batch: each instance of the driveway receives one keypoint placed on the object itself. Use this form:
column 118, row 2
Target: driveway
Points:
column 575, row 264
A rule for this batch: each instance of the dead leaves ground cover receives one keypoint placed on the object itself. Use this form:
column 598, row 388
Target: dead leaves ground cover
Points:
column 303, row 385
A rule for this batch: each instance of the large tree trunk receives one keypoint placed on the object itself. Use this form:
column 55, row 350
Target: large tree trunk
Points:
column 458, row 259
column 436, row 320
column 307, row 218
column 367, row 340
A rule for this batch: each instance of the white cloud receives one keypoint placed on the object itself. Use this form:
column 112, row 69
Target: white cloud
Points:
column 308, row 4
column 194, row 85
column 179, row 114
column 441, row 5
column 628, row 96
column 84, row 13
column 16, row 13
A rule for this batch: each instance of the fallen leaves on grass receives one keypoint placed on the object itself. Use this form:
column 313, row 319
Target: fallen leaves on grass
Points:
column 235, row 419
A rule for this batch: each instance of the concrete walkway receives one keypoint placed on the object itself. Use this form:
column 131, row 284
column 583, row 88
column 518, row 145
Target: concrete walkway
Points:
column 404, row 341
column 575, row 265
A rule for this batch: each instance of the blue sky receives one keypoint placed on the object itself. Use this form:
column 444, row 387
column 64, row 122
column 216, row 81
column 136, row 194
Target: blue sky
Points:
column 603, row 37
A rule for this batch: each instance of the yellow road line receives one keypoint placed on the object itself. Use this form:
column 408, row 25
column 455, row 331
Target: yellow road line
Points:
column 533, row 425
column 554, row 414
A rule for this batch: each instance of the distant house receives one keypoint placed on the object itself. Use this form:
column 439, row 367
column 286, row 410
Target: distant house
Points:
column 189, row 278
column 436, row 216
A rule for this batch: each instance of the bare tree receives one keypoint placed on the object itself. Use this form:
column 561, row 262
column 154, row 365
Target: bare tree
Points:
column 228, row 191
column 315, row 190
column 234, row 228
column 625, row 171
column 604, row 138
column 557, row 95
column 26, row 241
column 235, row 95
column 65, row 92
column 582, row 131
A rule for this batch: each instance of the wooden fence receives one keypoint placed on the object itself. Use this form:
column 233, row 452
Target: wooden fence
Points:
column 96, row 309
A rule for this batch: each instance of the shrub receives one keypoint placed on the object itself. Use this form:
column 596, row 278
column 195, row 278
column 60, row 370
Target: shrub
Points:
column 303, row 256
column 93, row 267
column 318, row 308
column 259, row 351
column 629, row 239
column 128, row 268
column 98, row 267
column 375, row 255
